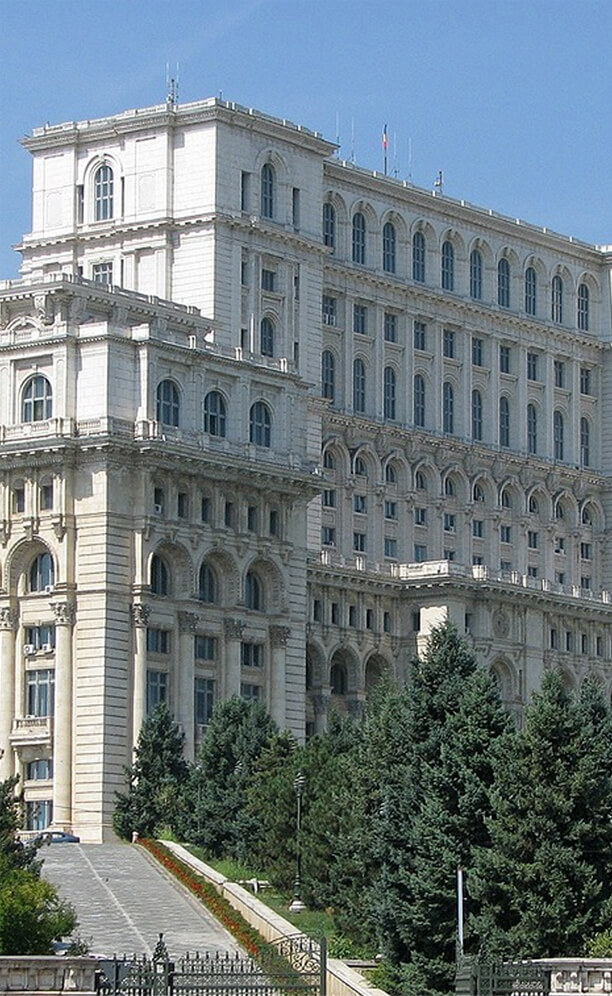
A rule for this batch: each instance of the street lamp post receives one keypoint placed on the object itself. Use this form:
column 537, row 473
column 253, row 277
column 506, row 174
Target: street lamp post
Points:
column 296, row 905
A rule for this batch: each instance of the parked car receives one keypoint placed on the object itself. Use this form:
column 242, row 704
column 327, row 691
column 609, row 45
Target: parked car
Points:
column 57, row 837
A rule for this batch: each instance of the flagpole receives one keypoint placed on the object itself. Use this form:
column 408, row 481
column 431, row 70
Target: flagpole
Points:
column 385, row 143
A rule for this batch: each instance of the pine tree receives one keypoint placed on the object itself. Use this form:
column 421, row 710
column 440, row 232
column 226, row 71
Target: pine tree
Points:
column 218, row 818
column 156, row 780
column 271, row 802
column 544, row 884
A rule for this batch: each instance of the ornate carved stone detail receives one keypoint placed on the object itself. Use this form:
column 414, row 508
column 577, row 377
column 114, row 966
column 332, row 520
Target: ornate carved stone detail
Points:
column 233, row 629
column 8, row 618
column 65, row 613
column 140, row 614
column 501, row 624
column 279, row 635
column 187, row 622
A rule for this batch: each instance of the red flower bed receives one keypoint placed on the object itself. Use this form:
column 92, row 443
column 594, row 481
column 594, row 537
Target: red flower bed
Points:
column 247, row 936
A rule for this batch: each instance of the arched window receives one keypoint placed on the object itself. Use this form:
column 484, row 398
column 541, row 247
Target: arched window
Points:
column 476, row 274
column 207, row 589
column 534, row 506
column 448, row 407
column 449, row 487
column 532, row 429
column 448, row 266
column 214, row 413
column 420, row 481
column 587, row 516
column 389, row 382
column 103, row 193
column 585, row 442
column 329, row 460
column 268, row 190
column 558, row 440
column 478, row 494
column 503, row 283
column 506, row 499
column 477, row 416
column 160, row 577
column 388, row 247
column 337, row 679
column 359, row 238
column 260, row 424
column 37, row 400
column 329, row 225
column 556, row 299
column 390, row 475
column 253, row 592
column 530, row 291
column 328, row 374
column 168, row 403
column 266, row 337
column 419, row 401
column 418, row 257
column 504, row 422
column 360, row 468
column 42, row 572
column 583, row 308
column 359, row 386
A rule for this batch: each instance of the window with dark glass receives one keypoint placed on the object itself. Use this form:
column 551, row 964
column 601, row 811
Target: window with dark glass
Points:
column 448, row 266
column 477, row 352
column 160, row 576
column 103, row 193
column 390, row 327
column 359, row 238
column 585, row 442
column 530, row 291
column 329, row 310
column 214, row 414
column 532, row 429
column 253, row 592
column 203, row 700
column 260, row 424
column 419, row 401
column 448, row 407
column 503, row 283
column 37, row 403
column 268, row 191
column 360, row 319
column 583, row 308
column 420, row 335
column 477, row 416
column 476, row 275
column 359, row 386
column 388, row 247
column 418, row 257
column 556, row 300
column 42, row 573
column 167, row 403
column 207, row 586
column 389, row 387
column 329, row 225
column 558, row 436
column 328, row 374
column 504, row 422
column 266, row 337
column 157, row 689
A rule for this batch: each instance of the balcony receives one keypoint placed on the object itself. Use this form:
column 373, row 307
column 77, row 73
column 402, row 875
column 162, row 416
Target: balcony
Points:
column 32, row 731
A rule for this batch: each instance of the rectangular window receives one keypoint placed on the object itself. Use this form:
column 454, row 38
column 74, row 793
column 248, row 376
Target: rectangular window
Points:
column 420, row 516
column 245, row 190
column 158, row 500
column 330, row 310
column 477, row 352
column 390, row 547
column 387, row 624
column 18, row 500
column 274, row 522
column 182, row 505
column 157, row 689
column 80, row 203
column 369, row 618
column 38, row 814
column 532, row 366
column 585, row 551
column 584, row 646
column 359, row 542
column 40, row 770
column 360, row 319
column 532, row 539
column 244, row 272
column 268, row 280
column 448, row 343
column 416, row 621
column 252, row 518
column 390, row 510
column 559, row 373
column 560, row 577
column 477, row 560
column 352, row 616
column 449, row 522
column 360, row 504
column 477, row 528
column 420, row 336
column 560, row 544
column 585, row 380
column 569, row 640
column 40, row 637
column 449, row 554
column 46, row 497
column 316, row 610
column 599, row 646
column 203, row 700
column 205, row 647
column 504, row 359
column 295, row 207
column 158, row 641
column 532, row 571
column 228, row 515
column 505, row 566
column 205, row 509
column 329, row 498
column 554, row 639
column 251, row 654
column 420, row 553
column 505, row 534
column 249, row 692
column 102, row 273
column 40, row 692
column 390, row 327
column 335, row 613
column 328, row 536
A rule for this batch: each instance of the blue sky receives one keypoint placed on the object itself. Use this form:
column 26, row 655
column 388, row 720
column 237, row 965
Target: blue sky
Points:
column 512, row 99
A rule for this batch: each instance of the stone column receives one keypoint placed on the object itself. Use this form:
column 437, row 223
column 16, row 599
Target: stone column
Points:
column 140, row 618
column 278, row 642
column 321, row 706
column 186, row 675
column 233, row 629
column 8, row 622
column 62, row 722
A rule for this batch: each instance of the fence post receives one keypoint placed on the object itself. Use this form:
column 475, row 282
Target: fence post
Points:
column 323, row 966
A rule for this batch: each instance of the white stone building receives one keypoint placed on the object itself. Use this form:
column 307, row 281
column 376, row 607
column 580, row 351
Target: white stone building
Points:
column 393, row 412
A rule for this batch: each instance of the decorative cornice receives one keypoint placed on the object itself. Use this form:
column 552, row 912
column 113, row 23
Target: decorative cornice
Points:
column 141, row 613
column 279, row 636
column 65, row 613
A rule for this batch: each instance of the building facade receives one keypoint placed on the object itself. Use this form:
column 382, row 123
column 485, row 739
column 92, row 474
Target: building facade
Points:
column 393, row 413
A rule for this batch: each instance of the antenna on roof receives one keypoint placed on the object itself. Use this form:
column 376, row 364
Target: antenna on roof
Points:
column 439, row 183
column 353, row 140
column 172, row 88
column 338, row 130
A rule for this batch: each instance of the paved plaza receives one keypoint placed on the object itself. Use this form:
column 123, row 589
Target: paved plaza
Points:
column 123, row 901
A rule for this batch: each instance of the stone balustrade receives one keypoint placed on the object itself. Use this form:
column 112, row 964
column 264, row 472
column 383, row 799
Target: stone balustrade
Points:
column 53, row 974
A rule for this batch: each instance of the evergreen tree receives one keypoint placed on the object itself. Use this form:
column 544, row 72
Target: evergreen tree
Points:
column 435, row 810
column 217, row 817
column 271, row 802
column 156, row 780
column 16, row 855
column 544, row 884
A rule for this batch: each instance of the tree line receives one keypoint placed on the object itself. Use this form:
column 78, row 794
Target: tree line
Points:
column 436, row 776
